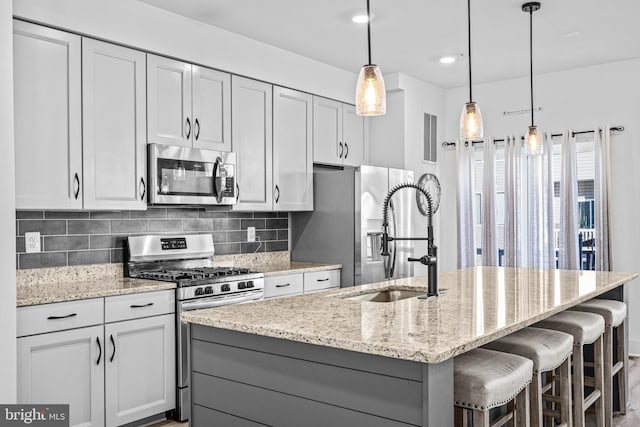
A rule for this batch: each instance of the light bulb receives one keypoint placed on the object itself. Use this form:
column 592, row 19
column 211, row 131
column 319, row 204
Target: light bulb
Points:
column 371, row 96
column 471, row 127
column 533, row 140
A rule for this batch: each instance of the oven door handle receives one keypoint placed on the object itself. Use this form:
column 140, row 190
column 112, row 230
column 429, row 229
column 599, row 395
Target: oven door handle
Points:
column 220, row 301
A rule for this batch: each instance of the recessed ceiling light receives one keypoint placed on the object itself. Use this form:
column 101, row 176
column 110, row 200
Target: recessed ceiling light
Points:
column 362, row 19
column 449, row 59
column 570, row 34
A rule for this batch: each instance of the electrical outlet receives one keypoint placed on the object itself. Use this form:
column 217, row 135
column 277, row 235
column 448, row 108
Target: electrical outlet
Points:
column 251, row 234
column 32, row 241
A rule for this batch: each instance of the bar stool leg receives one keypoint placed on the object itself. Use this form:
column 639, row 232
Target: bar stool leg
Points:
column 578, row 386
column 607, row 390
column 598, row 372
column 622, row 377
column 537, row 419
column 480, row 418
column 522, row 415
column 564, row 379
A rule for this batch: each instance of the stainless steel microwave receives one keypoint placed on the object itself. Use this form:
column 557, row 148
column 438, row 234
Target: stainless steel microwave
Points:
column 191, row 176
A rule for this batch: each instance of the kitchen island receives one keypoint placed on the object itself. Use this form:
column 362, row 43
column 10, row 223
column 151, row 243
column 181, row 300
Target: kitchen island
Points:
column 334, row 358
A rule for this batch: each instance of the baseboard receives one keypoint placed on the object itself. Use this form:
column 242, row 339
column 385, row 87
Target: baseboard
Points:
column 634, row 348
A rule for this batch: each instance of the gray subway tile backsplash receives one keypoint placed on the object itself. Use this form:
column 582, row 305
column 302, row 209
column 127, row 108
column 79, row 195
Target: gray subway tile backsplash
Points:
column 96, row 237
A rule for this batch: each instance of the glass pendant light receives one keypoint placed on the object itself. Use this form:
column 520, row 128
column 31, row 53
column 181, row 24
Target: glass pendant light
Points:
column 471, row 126
column 371, row 96
column 533, row 140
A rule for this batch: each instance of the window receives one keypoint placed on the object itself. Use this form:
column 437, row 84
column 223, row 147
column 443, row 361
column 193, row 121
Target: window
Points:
column 430, row 153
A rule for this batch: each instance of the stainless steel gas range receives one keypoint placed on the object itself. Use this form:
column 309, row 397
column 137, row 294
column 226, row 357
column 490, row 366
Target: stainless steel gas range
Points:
column 187, row 260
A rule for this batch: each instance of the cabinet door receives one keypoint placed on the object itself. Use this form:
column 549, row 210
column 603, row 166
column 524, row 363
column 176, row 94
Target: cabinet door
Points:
column 47, row 109
column 252, row 134
column 113, row 131
column 292, row 150
column 140, row 372
column 211, row 97
column 352, row 136
column 169, row 101
column 66, row 368
column 327, row 131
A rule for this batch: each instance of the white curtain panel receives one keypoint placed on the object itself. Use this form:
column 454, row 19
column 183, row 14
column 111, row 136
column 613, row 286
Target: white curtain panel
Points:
column 489, row 228
column 464, row 192
column 568, row 254
column 540, row 208
column 602, row 190
column 512, row 202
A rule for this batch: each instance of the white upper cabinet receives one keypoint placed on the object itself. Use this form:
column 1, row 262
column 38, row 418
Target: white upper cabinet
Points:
column 188, row 105
column 211, row 100
column 352, row 136
column 47, row 109
column 292, row 150
column 252, row 133
column 114, row 143
column 327, row 131
column 338, row 133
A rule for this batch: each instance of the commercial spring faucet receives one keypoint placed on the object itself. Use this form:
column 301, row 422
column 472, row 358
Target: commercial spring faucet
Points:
column 431, row 258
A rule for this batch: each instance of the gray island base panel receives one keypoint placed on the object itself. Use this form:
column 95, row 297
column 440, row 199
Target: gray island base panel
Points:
column 241, row 379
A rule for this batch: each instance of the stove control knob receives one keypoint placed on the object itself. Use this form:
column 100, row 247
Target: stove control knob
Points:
column 208, row 290
column 225, row 288
column 199, row 291
column 250, row 284
column 242, row 285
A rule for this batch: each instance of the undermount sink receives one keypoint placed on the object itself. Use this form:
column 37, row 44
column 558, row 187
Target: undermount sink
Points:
column 385, row 296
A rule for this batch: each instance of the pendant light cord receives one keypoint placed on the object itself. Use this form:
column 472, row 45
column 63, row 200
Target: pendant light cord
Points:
column 369, row 32
column 469, row 45
column 531, row 59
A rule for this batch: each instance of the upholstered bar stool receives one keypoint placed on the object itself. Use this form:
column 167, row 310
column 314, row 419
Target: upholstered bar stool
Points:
column 550, row 351
column 486, row 379
column 614, row 314
column 586, row 328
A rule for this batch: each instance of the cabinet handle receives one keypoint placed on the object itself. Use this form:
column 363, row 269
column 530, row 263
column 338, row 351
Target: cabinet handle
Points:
column 341, row 150
column 99, row 350
column 113, row 343
column 76, row 185
column 188, row 128
column 322, row 280
column 277, row 194
column 237, row 193
column 284, row 285
column 196, row 131
column 62, row 317
column 149, row 304
column 346, row 153
column 142, row 188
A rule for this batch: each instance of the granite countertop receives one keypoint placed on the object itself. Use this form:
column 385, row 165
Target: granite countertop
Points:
column 45, row 293
column 291, row 267
column 481, row 305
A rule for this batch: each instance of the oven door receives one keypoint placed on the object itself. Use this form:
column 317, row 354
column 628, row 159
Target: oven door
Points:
column 183, row 340
column 190, row 176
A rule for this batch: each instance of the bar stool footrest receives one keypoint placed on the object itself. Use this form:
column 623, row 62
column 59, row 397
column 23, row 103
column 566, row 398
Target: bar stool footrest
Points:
column 617, row 368
column 590, row 400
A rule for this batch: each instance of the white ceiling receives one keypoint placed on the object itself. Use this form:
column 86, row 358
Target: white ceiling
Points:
column 410, row 35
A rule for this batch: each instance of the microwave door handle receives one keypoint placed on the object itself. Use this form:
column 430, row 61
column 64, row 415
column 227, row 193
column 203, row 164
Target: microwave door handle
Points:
column 217, row 190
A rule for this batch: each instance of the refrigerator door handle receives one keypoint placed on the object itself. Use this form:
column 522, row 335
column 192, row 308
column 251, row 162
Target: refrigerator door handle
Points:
column 392, row 267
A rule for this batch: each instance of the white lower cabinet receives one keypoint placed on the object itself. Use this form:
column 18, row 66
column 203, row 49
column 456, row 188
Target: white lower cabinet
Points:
column 109, row 374
column 139, row 369
column 66, row 368
column 301, row 283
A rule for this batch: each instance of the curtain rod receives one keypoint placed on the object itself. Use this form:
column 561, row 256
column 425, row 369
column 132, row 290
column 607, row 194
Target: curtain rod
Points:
column 553, row 135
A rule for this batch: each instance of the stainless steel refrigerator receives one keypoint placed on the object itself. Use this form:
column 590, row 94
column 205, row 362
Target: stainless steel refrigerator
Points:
column 346, row 224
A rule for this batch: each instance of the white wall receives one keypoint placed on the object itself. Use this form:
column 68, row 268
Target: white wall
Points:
column 146, row 27
column 576, row 99
column 7, row 214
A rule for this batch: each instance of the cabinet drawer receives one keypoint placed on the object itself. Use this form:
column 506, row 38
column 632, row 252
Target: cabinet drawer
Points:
column 125, row 307
column 291, row 284
column 321, row 280
column 38, row 319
